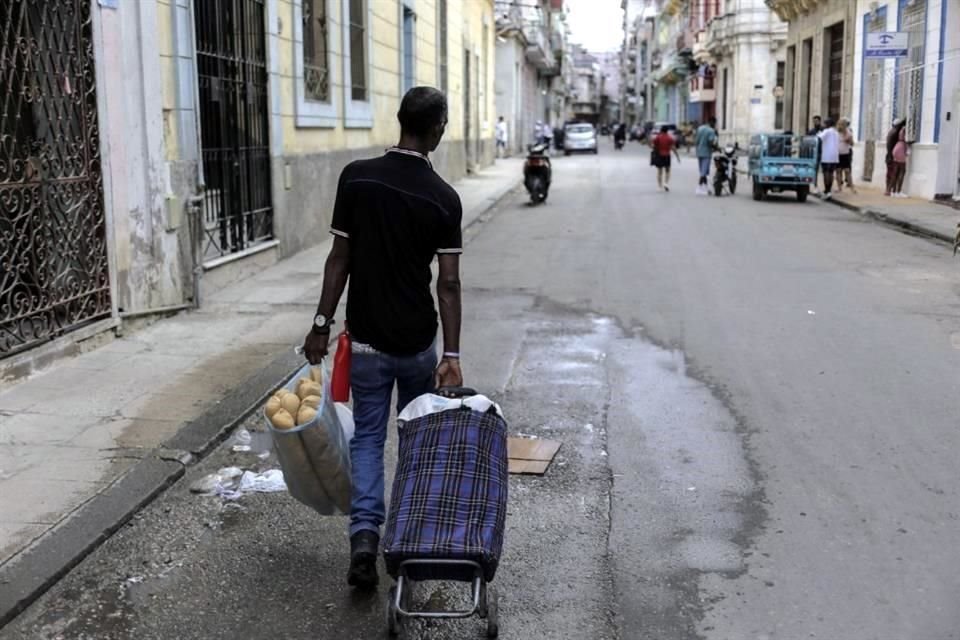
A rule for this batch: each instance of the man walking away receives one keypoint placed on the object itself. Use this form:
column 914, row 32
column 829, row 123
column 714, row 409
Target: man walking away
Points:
column 705, row 141
column 829, row 156
column 502, row 138
column 663, row 144
column 392, row 215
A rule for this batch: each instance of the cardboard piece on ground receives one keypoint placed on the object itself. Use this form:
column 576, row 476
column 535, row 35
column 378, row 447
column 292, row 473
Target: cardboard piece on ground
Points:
column 531, row 456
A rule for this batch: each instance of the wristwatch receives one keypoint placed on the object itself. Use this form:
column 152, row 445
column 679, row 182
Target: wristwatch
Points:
column 321, row 323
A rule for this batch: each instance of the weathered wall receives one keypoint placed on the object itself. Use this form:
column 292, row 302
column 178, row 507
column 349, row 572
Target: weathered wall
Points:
column 305, row 210
column 813, row 25
column 147, row 258
column 933, row 167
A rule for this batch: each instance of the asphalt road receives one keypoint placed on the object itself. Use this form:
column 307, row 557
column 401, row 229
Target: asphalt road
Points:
column 758, row 405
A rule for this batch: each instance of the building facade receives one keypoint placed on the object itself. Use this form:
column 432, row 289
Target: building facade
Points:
column 740, row 57
column 830, row 73
column 197, row 141
column 529, row 62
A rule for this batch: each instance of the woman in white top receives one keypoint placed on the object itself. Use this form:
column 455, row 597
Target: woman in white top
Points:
column 845, row 168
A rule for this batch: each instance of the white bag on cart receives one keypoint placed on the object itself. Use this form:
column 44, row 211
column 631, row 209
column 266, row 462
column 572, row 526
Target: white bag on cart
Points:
column 315, row 457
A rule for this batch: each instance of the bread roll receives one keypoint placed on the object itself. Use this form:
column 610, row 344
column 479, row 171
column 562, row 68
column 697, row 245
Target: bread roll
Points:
column 310, row 401
column 309, row 389
column 305, row 415
column 291, row 403
column 273, row 405
column 282, row 419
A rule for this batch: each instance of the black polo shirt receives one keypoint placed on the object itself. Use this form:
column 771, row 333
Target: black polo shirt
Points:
column 397, row 214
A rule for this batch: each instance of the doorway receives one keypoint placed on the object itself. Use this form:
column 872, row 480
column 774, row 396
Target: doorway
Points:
column 54, row 274
column 806, row 77
column 234, row 122
column 833, row 37
column 873, row 111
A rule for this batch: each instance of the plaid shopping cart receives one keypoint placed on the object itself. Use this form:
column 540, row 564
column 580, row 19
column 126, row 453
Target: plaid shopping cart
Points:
column 449, row 502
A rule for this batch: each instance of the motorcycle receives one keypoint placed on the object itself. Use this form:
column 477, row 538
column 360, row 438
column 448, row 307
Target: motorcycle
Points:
column 725, row 163
column 537, row 173
column 619, row 137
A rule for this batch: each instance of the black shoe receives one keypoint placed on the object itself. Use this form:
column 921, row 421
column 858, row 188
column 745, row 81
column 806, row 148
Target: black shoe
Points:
column 364, row 546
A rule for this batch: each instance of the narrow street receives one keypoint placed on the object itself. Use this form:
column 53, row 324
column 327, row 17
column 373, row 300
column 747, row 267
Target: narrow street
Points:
column 758, row 408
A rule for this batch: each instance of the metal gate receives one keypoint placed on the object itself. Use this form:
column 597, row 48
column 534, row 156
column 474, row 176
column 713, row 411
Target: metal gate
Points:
column 234, row 121
column 54, row 275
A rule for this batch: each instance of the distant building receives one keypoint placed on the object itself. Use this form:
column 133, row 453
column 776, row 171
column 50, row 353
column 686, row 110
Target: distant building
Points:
column 830, row 72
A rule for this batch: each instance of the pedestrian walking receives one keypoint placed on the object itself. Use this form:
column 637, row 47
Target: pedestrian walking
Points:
column 663, row 144
column 705, row 141
column 817, row 126
column 502, row 138
column 391, row 216
column 901, row 151
column 893, row 137
column 845, row 168
column 829, row 155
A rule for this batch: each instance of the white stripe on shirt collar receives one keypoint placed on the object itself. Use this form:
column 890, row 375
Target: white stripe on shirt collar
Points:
column 411, row 152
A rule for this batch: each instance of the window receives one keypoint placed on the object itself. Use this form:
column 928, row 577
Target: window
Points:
column 316, row 82
column 357, row 96
column 316, row 37
column 483, row 75
column 358, row 50
column 778, row 113
column 409, row 53
column 442, row 44
column 908, row 89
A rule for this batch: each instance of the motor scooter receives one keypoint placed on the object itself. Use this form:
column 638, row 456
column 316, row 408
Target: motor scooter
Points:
column 537, row 172
column 725, row 163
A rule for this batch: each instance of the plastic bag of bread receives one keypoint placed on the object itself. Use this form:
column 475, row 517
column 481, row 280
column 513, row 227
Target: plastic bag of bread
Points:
column 312, row 441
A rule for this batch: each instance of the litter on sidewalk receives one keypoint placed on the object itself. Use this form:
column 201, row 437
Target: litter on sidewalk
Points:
column 531, row 456
column 231, row 483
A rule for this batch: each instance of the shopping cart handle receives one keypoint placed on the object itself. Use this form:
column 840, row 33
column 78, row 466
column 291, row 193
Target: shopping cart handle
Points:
column 456, row 392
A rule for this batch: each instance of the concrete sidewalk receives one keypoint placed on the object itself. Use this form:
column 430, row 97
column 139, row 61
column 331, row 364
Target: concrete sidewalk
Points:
column 86, row 443
column 918, row 216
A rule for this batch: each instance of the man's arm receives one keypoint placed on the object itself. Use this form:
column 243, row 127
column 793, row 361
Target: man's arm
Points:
column 335, row 274
column 448, row 294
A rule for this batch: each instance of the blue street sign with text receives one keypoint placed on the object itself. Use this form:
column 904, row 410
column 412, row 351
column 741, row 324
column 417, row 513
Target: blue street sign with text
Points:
column 891, row 44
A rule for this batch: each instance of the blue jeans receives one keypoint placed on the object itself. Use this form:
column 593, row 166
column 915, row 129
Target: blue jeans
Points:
column 704, row 166
column 372, row 377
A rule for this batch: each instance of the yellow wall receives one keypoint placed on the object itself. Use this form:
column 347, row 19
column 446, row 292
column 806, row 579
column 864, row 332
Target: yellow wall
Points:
column 385, row 71
column 465, row 18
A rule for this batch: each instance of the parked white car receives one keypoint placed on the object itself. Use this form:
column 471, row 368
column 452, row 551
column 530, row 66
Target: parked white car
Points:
column 579, row 137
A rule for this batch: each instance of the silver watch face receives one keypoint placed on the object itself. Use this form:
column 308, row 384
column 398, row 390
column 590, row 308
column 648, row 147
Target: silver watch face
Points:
column 320, row 321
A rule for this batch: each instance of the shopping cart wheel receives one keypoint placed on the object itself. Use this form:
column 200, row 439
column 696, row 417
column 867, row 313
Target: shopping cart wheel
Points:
column 393, row 618
column 493, row 609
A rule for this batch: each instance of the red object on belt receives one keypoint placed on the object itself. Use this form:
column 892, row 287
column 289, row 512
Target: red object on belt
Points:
column 340, row 379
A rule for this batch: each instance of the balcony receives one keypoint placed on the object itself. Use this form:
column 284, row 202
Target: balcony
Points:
column 788, row 10
column 539, row 51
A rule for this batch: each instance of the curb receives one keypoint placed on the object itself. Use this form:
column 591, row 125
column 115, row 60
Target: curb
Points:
column 897, row 223
column 27, row 577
